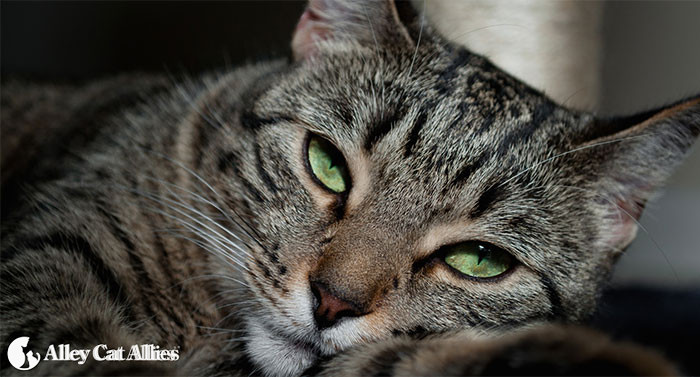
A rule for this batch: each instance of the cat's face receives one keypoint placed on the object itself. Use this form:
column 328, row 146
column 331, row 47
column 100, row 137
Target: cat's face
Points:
column 396, row 186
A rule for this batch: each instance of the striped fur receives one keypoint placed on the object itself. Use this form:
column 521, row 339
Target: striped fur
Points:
column 189, row 219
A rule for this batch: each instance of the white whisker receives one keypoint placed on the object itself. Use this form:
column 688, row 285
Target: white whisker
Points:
column 213, row 249
column 242, row 225
column 420, row 34
column 210, row 276
column 165, row 201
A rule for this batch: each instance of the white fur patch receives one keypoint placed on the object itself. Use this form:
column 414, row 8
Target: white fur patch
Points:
column 276, row 355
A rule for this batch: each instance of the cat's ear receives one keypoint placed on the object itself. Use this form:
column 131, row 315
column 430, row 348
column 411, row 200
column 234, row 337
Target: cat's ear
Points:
column 629, row 157
column 375, row 23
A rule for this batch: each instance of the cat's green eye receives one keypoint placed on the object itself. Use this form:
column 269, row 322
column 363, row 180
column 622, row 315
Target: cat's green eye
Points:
column 479, row 260
column 328, row 165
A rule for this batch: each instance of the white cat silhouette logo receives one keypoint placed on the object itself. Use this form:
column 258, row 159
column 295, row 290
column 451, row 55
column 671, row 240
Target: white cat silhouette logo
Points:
column 17, row 357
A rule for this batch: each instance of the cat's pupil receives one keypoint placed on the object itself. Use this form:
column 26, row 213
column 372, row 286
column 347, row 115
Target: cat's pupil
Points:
column 482, row 254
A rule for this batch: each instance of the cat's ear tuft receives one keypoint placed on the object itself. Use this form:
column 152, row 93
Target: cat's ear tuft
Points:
column 369, row 22
column 630, row 157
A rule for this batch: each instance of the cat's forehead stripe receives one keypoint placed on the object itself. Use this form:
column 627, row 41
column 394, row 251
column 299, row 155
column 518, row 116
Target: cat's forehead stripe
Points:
column 487, row 199
column 468, row 169
column 445, row 82
column 385, row 121
column 413, row 135
column 523, row 133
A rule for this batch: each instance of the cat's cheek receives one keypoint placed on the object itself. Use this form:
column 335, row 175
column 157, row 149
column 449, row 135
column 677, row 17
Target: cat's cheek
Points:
column 381, row 323
column 446, row 301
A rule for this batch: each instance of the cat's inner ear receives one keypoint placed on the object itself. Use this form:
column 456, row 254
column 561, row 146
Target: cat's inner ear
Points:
column 375, row 23
column 628, row 158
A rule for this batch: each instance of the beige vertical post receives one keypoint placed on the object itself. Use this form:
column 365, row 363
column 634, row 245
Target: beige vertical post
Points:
column 554, row 46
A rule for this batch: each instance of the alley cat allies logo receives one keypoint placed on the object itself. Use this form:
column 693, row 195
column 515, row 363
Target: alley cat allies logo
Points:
column 21, row 357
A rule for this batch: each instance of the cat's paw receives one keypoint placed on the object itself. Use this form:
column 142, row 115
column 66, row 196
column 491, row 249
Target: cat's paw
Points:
column 545, row 350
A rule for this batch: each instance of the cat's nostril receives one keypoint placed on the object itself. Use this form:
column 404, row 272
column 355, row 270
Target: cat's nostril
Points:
column 329, row 308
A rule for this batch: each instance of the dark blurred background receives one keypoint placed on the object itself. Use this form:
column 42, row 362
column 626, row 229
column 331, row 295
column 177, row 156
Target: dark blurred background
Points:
column 57, row 40
column 650, row 56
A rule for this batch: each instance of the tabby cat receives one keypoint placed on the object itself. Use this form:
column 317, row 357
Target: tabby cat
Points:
column 386, row 203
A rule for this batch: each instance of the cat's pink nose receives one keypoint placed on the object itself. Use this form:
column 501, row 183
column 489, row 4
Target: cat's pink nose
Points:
column 330, row 308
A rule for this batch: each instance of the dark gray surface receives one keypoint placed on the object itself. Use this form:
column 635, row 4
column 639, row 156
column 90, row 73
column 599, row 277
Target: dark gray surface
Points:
column 59, row 40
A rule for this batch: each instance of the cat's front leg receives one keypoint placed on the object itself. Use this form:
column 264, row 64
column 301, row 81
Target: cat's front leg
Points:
column 543, row 350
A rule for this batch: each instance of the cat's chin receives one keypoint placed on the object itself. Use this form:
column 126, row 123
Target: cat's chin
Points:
column 277, row 355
